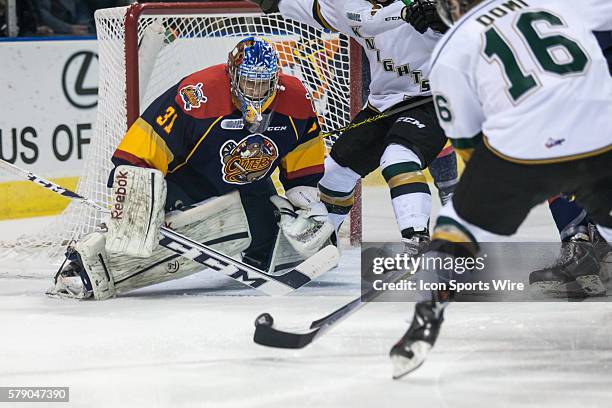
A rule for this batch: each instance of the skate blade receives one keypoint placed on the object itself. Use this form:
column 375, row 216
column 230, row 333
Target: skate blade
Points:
column 66, row 294
column 550, row 287
column 403, row 365
column 556, row 290
column 592, row 285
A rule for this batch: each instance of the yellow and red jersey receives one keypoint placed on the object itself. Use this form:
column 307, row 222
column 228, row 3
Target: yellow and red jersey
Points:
column 194, row 134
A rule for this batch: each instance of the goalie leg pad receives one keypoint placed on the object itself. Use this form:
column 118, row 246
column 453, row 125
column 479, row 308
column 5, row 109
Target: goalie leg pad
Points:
column 219, row 222
column 92, row 252
column 284, row 256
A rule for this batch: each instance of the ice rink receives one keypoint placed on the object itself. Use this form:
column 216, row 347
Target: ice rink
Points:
column 189, row 343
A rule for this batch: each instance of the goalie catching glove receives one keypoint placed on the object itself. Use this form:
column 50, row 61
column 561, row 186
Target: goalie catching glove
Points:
column 422, row 14
column 304, row 220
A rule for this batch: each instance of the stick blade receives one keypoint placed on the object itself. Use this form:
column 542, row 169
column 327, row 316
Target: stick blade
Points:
column 267, row 335
column 321, row 262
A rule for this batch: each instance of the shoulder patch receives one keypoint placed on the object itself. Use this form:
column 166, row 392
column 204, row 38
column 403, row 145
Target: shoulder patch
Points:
column 206, row 93
column 192, row 96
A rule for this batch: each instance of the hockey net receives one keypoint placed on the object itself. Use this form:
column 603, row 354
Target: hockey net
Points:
column 146, row 48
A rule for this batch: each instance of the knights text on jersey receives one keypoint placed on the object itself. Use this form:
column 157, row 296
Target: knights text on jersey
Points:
column 529, row 75
column 195, row 135
column 398, row 55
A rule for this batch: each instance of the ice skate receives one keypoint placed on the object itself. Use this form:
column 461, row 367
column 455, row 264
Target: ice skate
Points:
column 577, row 263
column 416, row 244
column 71, row 280
column 410, row 351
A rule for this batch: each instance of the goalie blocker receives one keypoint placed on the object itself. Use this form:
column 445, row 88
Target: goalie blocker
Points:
column 100, row 266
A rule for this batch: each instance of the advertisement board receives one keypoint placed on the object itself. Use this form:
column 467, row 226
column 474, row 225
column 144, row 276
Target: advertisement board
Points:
column 48, row 99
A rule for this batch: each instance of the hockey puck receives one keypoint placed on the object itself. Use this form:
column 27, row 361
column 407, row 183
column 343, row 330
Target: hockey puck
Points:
column 264, row 319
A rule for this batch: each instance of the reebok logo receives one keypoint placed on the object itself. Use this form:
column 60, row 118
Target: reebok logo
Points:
column 412, row 121
column 120, row 193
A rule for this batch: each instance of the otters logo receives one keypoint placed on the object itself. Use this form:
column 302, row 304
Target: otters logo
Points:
column 248, row 160
column 192, row 96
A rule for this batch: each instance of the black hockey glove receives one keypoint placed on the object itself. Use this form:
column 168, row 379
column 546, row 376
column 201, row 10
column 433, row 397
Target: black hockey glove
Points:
column 422, row 14
column 267, row 6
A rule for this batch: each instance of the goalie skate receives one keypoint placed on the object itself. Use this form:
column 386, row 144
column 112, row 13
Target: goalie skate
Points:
column 71, row 280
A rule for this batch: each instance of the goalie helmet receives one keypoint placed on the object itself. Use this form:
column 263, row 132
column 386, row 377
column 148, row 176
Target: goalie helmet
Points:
column 451, row 10
column 253, row 68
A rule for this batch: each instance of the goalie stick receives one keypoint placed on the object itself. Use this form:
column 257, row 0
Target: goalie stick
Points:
column 246, row 274
column 266, row 334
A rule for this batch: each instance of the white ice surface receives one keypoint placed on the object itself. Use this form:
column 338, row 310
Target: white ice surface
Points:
column 188, row 343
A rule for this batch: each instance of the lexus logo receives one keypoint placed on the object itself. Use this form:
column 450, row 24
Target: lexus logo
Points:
column 80, row 79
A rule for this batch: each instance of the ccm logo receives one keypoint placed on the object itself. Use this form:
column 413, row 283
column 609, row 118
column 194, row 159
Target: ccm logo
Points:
column 412, row 121
column 273, row 128
column 120, row 193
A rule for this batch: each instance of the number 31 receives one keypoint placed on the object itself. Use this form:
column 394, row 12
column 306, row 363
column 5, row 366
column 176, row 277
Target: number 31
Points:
column 162, row 119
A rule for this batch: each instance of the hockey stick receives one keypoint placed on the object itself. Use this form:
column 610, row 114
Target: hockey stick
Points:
column 297, row 277
column 268, row 335
column 381, row 115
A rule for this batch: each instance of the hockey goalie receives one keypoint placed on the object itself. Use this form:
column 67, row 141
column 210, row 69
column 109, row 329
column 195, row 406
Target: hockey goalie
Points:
column 199, row 160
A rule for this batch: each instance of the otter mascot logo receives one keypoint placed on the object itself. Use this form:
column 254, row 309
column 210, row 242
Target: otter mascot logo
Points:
column 248, row 160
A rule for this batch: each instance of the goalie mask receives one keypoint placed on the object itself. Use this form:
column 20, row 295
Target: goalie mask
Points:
column 451, row 10
column 253, row 68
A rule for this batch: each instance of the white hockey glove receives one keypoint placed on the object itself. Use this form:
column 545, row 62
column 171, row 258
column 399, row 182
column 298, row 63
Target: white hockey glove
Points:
column 137, row 211
column 304, row 220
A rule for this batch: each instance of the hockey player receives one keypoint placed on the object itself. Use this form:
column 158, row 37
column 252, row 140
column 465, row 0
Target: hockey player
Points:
column 582, row 249
column 581, row 245
column 524, row 92
column 200, row 159
column 402, row 145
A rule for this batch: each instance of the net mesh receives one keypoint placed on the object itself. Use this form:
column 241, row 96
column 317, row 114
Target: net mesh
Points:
column 171, row 46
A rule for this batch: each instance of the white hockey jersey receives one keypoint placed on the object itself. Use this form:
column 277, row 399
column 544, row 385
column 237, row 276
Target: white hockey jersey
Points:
column 529, row 75
column 398, row 54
